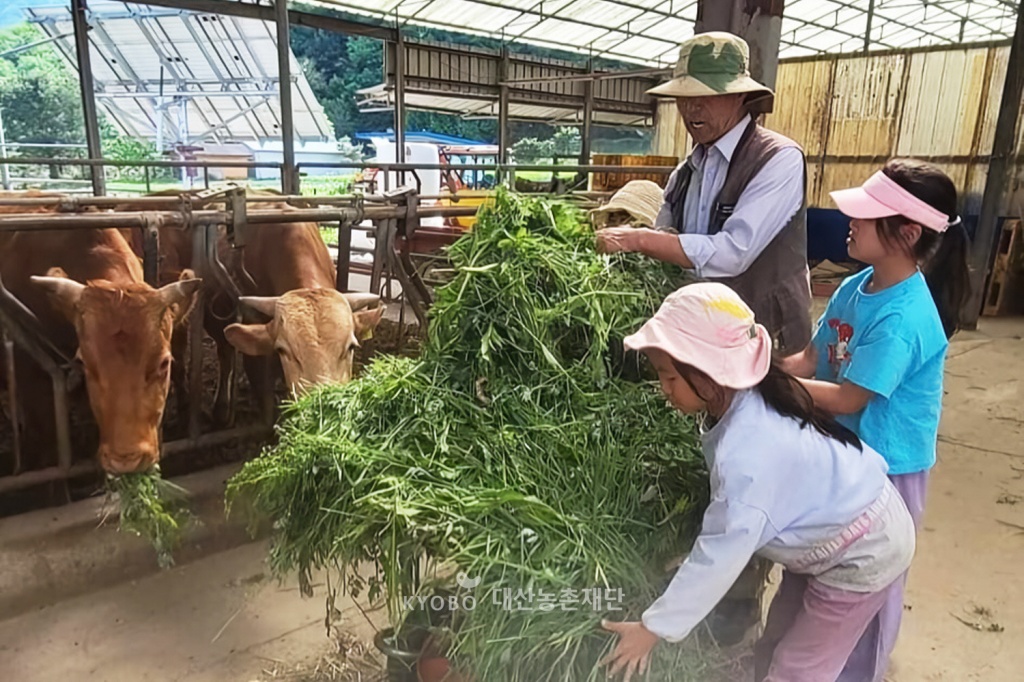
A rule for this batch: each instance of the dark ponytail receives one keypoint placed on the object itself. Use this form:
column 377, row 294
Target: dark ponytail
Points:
column 942, row 256
column 782, row 392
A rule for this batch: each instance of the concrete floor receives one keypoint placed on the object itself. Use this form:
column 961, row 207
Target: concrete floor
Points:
column 220, row 619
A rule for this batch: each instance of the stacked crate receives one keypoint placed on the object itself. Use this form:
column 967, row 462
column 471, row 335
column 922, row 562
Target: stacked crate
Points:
column 611, row 182
column 1005, row 293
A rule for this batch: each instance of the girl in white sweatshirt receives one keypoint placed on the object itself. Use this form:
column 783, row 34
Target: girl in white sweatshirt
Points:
column 788, row 483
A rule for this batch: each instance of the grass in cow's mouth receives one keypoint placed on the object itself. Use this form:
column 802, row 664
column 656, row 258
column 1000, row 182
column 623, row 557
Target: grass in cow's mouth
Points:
column 154, row 509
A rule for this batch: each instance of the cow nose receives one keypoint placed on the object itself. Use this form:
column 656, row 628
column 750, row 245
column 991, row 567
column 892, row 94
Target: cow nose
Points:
column 135, row 460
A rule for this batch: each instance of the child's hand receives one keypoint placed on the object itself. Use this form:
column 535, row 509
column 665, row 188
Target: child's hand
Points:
column 802, row 364
column 633, row 652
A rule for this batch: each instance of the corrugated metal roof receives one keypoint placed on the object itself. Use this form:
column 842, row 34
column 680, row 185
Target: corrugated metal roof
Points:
column 380, row 98
column 218, row 74
column 649, row 31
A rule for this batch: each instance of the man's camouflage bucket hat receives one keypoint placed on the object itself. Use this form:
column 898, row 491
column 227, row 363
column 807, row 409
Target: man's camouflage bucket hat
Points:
column 715, row 63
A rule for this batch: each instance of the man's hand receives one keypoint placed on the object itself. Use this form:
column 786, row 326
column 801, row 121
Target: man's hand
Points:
column 633, row 652
column 618, row 239
column 652, row 243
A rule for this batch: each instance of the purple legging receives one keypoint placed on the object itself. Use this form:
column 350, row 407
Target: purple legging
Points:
column 870, row 658
column 811, row 630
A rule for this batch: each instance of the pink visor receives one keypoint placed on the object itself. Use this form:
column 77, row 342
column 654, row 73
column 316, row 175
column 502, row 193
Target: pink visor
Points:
column 882, row 197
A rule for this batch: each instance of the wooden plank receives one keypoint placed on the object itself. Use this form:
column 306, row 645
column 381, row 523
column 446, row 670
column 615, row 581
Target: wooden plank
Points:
column 864, row 106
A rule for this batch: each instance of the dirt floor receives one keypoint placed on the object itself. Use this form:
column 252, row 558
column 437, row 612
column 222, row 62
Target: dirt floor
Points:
column 221, row 619
column 965, row 617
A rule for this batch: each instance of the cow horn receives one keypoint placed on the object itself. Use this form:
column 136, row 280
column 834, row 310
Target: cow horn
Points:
column 179, row 292
column 360, row 301
column 261, row 304
column 68, row 291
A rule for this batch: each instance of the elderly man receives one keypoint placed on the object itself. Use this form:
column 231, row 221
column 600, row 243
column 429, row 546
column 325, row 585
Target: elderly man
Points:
column 735, row 210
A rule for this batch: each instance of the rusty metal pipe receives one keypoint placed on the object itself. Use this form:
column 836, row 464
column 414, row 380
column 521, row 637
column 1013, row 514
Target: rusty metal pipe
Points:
column 151, row 250
column 176, row 447
column 62, row 419
column 17, row 222
column 217, row 269
column 48, row 475
column 195, row 332
column 72, row 203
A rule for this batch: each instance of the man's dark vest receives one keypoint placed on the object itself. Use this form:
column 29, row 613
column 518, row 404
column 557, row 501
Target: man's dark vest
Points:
column 776, row 286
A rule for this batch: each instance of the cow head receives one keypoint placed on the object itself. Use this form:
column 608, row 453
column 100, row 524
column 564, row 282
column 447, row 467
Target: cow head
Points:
column 124, row 344
column 315, row 332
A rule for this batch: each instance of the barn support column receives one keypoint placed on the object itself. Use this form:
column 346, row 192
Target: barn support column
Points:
column 759, row 22
column 399, row 47
column 588, row 118
column 92, row 124
column 503, row 90
column 1000, row 174
column 289, row 176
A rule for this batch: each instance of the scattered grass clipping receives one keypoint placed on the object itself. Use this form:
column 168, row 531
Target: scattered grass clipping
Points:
column 513, row 450
column 154, row 509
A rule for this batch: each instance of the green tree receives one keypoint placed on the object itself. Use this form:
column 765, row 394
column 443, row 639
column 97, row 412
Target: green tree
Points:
column 567, row 141
column 39, row 96
column 531, row 150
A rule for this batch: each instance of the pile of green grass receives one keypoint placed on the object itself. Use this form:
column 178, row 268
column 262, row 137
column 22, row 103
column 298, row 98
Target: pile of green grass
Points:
column 512, row 451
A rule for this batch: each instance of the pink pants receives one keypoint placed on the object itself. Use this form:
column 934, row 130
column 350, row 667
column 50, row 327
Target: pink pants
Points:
column 870, row 658
column 811, row 630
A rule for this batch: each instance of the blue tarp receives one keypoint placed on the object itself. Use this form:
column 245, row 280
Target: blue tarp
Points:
column 827, row 229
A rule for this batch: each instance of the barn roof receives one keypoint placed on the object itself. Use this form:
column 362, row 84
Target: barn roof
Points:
column 649, row 31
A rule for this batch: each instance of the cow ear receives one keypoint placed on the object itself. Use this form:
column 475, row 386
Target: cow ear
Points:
column 366, row 321
column 64, row 293
column 250, row 339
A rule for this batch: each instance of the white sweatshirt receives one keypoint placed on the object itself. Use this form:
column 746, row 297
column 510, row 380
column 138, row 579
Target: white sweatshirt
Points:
column 790, row 495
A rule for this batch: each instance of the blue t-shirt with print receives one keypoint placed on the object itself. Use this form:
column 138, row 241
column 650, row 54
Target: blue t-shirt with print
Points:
column 891, row 343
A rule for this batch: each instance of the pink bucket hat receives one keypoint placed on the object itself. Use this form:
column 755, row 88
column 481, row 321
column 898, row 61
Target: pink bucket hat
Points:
column 708, row 326
column 881, row 197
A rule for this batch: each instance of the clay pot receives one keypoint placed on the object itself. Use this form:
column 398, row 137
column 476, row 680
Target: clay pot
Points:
column 433, row 670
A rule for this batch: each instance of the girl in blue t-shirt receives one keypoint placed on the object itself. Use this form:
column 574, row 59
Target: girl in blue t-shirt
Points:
column 878, row 351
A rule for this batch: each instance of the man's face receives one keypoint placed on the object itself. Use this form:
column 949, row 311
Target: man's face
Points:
column 709, row 118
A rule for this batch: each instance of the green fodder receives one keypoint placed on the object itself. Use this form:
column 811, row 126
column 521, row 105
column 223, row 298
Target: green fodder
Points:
column 511, row 450
column 154, row 509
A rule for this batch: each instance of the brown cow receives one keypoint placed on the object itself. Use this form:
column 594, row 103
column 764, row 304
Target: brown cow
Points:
column 86, row 288
column 313, row 330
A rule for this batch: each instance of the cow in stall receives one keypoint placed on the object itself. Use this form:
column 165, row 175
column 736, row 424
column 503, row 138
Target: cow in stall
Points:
column 86, row 288
column 311, row 329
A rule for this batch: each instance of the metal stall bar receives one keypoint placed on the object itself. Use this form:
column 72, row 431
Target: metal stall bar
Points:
column 25, row 334
column 289, row 176
column 12, row 396
column 92, row 126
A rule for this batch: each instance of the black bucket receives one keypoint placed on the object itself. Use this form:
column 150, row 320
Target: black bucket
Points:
column 401, row 651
